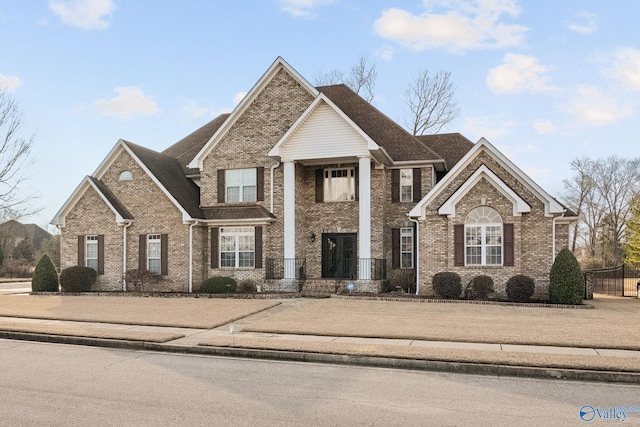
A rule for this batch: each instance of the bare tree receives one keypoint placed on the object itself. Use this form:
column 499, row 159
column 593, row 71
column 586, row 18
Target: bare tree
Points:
column 579, row 196
column 361, row 78
column 14, row 158
column 431, row 102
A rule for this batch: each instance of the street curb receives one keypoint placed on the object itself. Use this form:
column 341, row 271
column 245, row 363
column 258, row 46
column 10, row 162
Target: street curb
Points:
column 341, row 359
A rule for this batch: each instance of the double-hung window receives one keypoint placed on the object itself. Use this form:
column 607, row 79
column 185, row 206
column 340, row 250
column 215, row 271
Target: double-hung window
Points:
column 237, row 247
column 91, row 252
column 406, row 247
column 483, row 237
column 240, row 185
column 339, row 184
column 406, row 185
column 154, row 252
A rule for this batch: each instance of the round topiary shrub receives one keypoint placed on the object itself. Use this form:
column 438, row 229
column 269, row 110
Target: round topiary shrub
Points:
column 520, row 288
column 481, row 287
column 77, row 279
column 447, row 285
column 247, row 287
column 45, row 276
column 219, row 285
column 566, row 282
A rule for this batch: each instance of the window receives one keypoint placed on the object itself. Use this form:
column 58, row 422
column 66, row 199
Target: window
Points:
column 154, row 252
column 240, row 185
column 406, row 185
column 406, row 247
column 125, row 176
column 91, row 252
column 339, row 184
column 483, row 237
column 237, row 247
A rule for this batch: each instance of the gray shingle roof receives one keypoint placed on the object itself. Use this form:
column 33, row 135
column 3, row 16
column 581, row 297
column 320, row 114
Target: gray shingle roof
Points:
column 450, row 146
column 122, row 210
column 399, row 144
column 256, row 212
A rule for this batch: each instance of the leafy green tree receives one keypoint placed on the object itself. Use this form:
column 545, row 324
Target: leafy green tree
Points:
column 632, row 244
column 45, row 277
column 566, row 282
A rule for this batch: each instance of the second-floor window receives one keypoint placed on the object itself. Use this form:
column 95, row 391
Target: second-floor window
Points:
column 240, row 185
column 406, row 185
column 339, row 184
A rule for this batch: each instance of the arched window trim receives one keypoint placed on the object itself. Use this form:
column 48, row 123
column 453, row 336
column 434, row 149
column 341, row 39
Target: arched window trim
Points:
column 125, row 176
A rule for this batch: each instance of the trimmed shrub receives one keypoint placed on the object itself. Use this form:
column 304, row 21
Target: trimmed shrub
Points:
column 566, row 282
column 77, row 279
column 247, row 287
column 520, row 288
column 481, row 287
column 45, row 276
column 219, row 285
column 447, row 285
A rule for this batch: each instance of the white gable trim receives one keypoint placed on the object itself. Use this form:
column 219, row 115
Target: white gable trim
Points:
column 237, row 112
column 85, row 184
column 321, row 98
column 519, row 205
column 551, row 206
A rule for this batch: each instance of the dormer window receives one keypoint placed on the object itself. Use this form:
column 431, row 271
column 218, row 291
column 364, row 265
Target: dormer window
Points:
column 125, row 176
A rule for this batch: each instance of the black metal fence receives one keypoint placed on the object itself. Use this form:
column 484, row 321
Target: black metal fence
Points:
column 619, row 281
column 294, row 267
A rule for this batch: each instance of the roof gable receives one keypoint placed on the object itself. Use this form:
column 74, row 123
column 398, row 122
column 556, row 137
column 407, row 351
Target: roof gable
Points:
column 551, row 206
column 278, row 64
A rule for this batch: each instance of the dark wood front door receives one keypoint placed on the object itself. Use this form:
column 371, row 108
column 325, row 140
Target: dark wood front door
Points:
column 339, row 256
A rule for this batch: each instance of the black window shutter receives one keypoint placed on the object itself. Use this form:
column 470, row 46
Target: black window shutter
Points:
column 142, row 252
column 260, row 184
column 81, row 251
column 395, row 248
column 417, row 184
column 221, row 186
column 508, row 245
column 395, row 185
column 258, row 247
column 164, row 254
column 357, row 183
column 101, row 254
column 458, row 245
column 215, row 256
column 319, row 185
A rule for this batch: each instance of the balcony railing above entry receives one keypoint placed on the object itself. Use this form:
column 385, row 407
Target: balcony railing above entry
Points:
column 285, row 268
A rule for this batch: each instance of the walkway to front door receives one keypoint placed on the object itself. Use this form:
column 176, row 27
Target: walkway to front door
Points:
column 339, row 256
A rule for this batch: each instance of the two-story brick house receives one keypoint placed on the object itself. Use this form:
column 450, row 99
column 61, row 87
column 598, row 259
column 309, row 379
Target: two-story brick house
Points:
column 309, row 186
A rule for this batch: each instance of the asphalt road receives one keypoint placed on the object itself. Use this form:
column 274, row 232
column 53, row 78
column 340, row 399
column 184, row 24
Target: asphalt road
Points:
column 50, row 384
column 17, row 286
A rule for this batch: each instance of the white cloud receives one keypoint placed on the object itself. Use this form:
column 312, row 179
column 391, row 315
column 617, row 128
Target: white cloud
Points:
column 459, row 25
column 590, row 106
column 85, row 14
column 625, row 67
column 302, row 8
column 238, row 97
column 9, row 83
column 518, row 73
column 130, row 101
column 584, row 22
column 544, row 127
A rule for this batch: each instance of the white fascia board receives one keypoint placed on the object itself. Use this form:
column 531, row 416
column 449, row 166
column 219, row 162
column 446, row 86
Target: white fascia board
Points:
column 519, row 205
column 550, row 204
column 237, row 112
column 85, row 184
column 275, row 151
column 234, row 222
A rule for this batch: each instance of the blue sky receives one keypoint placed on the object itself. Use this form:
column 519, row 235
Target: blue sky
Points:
column 545, row 81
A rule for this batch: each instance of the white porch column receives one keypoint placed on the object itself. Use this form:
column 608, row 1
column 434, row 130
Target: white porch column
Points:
column 289, row 220
column 364, row 232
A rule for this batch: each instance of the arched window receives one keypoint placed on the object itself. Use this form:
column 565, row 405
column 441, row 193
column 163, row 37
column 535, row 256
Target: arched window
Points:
column 483, row 237
column 125, row 176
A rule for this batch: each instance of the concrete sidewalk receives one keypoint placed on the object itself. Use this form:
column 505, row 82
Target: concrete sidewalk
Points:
column 222, row 341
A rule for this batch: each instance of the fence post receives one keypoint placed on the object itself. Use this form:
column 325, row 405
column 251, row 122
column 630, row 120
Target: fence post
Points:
column 623, row 266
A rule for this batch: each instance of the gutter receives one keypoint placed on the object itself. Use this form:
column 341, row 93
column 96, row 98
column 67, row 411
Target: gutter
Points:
column 416, row 245
column 553, row 235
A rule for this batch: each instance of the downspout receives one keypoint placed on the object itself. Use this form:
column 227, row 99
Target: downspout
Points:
column 272, row 169
column 416, row 245
column 553, row 235
column 191, row 255
column 125, row 225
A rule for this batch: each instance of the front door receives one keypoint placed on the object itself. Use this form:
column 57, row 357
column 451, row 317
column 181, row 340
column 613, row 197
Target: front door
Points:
column 339, row 256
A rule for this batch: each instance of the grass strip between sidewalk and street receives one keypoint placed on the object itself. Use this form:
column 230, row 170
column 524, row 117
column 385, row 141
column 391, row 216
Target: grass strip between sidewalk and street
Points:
column 90, row 332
